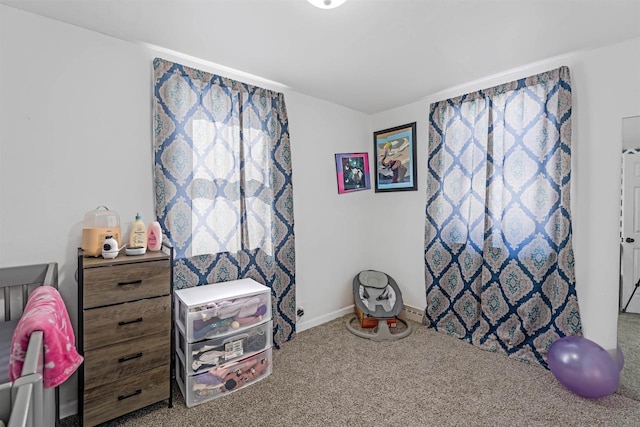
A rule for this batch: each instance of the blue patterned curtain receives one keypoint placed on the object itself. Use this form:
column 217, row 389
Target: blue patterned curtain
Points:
column 498, row 253
column 223, row 187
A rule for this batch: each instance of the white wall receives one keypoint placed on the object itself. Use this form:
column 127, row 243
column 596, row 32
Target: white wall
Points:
column 606, row 88
column 333, row 231
column 72, row 138
column 75, row 133
column 400, row 215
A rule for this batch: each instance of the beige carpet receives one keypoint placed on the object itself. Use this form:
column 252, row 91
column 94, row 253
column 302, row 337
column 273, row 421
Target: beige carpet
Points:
column 629, row 341
column 328, row 377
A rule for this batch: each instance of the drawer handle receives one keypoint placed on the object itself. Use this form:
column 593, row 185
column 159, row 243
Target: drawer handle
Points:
column 132, row 282
column 126, row 396
column 124, row 359
column 139, row 319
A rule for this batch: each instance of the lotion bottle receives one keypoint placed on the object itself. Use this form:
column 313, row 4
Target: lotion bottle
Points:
column 138, row 235
column 154, row 236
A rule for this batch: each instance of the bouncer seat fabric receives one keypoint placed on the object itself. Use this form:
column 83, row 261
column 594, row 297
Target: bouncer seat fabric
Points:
column 377, row 296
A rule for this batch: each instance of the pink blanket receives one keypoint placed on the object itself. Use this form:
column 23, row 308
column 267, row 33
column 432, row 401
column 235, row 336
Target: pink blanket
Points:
column 45, row 311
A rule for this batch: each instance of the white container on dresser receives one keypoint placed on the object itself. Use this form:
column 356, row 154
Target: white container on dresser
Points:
column 223, row 338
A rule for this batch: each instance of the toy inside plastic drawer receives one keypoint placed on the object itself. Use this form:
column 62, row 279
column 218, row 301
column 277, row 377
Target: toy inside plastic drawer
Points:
column 203, row 355
column 222, row 317
column 223, row 380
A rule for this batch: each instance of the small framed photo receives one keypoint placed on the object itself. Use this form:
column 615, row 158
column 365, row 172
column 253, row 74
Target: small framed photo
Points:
column 353, row 172
column 395, row 151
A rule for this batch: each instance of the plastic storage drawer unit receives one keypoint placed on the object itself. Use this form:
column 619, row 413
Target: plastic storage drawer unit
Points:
column 204, row 355
column 223, row 380
column 207, row 311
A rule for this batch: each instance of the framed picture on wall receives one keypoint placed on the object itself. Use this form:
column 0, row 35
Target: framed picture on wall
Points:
column 395, row 154
column 353, row 172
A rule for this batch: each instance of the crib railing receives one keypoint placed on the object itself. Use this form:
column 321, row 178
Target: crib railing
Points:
column 22, row 411
column 27, row 393
column 18, row 282
column 29, row 401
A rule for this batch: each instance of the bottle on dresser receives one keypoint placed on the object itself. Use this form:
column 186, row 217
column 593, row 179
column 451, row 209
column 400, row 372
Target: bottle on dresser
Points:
column 154, row 236
column 138, row 235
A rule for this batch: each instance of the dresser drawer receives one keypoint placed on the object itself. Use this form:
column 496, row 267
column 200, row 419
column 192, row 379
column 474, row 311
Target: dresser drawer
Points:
column 112, row 284
column 113, row 324
column 107, row 364
column 120, row 397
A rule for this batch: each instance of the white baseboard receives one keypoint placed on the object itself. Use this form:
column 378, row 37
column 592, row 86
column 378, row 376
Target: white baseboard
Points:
column 304, row 324
column 411, row 313
column 408, row 313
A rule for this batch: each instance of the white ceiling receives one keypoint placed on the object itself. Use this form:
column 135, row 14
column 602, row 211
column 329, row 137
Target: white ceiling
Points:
column 368, row 55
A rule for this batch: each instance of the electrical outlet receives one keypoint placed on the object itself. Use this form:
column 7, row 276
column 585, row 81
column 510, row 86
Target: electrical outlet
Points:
column 411, row 313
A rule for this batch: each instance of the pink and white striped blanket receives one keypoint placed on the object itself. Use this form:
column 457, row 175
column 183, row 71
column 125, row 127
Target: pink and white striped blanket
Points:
column 45, row 311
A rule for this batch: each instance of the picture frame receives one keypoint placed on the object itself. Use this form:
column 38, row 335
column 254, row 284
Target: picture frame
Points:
column 352, row 171
column 395, row 159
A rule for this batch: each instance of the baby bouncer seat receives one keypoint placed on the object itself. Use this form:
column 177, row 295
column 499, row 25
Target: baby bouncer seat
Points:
column 378, row 296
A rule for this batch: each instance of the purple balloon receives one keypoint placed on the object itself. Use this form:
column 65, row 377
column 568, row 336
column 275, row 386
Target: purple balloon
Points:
column 583, row 367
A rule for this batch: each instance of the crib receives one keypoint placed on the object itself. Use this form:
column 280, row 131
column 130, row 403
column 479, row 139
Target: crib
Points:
column 25, row 402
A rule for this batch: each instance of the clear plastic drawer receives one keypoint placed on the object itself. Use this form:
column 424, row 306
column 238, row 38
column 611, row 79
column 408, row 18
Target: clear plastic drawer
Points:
column 221, row 381
column 204, row 355
column 218, row 309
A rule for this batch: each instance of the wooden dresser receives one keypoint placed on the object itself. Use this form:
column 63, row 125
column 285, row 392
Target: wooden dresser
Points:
column 124, row 333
